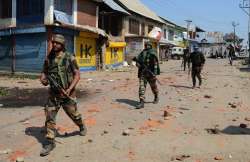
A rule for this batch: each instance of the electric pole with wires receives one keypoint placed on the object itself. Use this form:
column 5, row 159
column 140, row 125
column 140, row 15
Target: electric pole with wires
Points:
column 245, row 6
column 234, row 24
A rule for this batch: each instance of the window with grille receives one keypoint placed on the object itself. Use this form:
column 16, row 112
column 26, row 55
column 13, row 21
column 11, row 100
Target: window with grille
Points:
column 134, row 26
column 143, row 29
column 150, row 28
column 165, row 33
column 171, row 35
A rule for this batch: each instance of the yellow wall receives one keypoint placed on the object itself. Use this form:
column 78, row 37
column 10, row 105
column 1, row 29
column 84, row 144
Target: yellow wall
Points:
column 86, row 51
column 114, row 53
column 154, row 45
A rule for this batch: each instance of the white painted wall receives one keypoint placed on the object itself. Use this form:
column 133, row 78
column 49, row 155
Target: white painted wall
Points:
column 13, row 20
column 75, row 12
column 97, row 16
column 48, row 12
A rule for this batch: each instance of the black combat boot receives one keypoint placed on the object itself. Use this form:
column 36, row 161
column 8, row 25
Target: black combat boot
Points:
column 83, row 130
column 141, row 104
column 156, row 100
column 48, row 147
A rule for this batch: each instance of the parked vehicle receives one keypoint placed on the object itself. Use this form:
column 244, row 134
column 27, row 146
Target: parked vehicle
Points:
column 177, row 53
column 243, row 53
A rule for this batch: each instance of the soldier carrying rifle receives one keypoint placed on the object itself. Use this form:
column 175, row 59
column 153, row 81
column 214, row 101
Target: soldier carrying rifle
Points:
column 61, row 72
column 148, row 68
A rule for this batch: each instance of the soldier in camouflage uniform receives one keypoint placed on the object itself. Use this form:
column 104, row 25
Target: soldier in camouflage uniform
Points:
column 63, row 67
column 198, row 60
column 148, row 68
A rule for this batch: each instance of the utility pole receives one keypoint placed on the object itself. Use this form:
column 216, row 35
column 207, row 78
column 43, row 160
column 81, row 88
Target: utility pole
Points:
column 188, row 26
column 245, row 6
column 234, row 24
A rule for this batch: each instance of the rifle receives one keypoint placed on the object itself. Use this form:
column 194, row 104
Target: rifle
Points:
column 146, row 69
column 58, row 87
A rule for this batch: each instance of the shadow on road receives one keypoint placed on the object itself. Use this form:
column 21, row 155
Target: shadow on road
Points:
column 236, row 130
column 247, row 69
column 37, row 133
column 181, row 86
column 65, row 135
column 18, row 98
column 128, row 102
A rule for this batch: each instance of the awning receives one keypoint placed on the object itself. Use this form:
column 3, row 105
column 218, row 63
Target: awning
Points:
column 167, row 42
column 14, row 31
column 115, row 6
column 117, row 44
column 85, row 28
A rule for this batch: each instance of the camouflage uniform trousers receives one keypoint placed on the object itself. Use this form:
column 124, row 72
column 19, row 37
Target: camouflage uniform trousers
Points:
column 196, row 72
column 51, row 109
column 143, row 80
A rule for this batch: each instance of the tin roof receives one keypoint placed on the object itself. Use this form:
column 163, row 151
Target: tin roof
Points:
column 112, row 4
column 138, row 7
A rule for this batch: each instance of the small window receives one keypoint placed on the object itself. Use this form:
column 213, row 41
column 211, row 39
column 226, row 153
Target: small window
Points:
column 171, row 35
column 165, row 33
column 150, row 28
column 143, row 29
column 134, row 26
column 5, row 8
column 179, row 50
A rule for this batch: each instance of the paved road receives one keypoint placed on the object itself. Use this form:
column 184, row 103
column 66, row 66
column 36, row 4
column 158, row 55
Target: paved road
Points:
column 107, row 101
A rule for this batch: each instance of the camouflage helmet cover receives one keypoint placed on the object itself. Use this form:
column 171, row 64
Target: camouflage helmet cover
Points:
column 59, row 39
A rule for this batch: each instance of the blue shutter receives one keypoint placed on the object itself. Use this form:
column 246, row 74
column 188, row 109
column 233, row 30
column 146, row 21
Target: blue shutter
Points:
column 5, row 53
column 30, row 52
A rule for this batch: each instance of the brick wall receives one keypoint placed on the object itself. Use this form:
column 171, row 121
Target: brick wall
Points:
column 86, row 13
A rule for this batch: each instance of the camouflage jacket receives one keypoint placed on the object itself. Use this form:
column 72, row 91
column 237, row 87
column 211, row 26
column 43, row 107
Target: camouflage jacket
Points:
column 148, row 58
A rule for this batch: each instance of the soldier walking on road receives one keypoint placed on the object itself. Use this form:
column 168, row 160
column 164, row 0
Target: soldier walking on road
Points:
column 186, row 58
column 148, row 68
column 231, row 54
column 62, row 73
column 198, row 60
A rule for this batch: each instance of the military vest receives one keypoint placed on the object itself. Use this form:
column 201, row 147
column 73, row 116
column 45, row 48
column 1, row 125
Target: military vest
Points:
column 61, row 69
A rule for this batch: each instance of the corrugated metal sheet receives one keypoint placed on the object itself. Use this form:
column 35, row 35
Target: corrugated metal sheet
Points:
column 84, row 28
column 12, row 31
column 138, row 7
column 63, row 17
column 5, row 53
column 115, row 6
column 30, row 52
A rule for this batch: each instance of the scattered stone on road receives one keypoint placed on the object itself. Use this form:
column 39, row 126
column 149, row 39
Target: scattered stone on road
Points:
column 180, row 157
column 243, row 125
column 207, row 96
column 126, row 132
column 218, row 158
column 166, row 114
column 20, row 159
column 233, row 105
column 7, row 151
column 213, row 131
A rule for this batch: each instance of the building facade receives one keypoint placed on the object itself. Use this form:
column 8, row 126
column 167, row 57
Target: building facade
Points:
column 26, row 33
